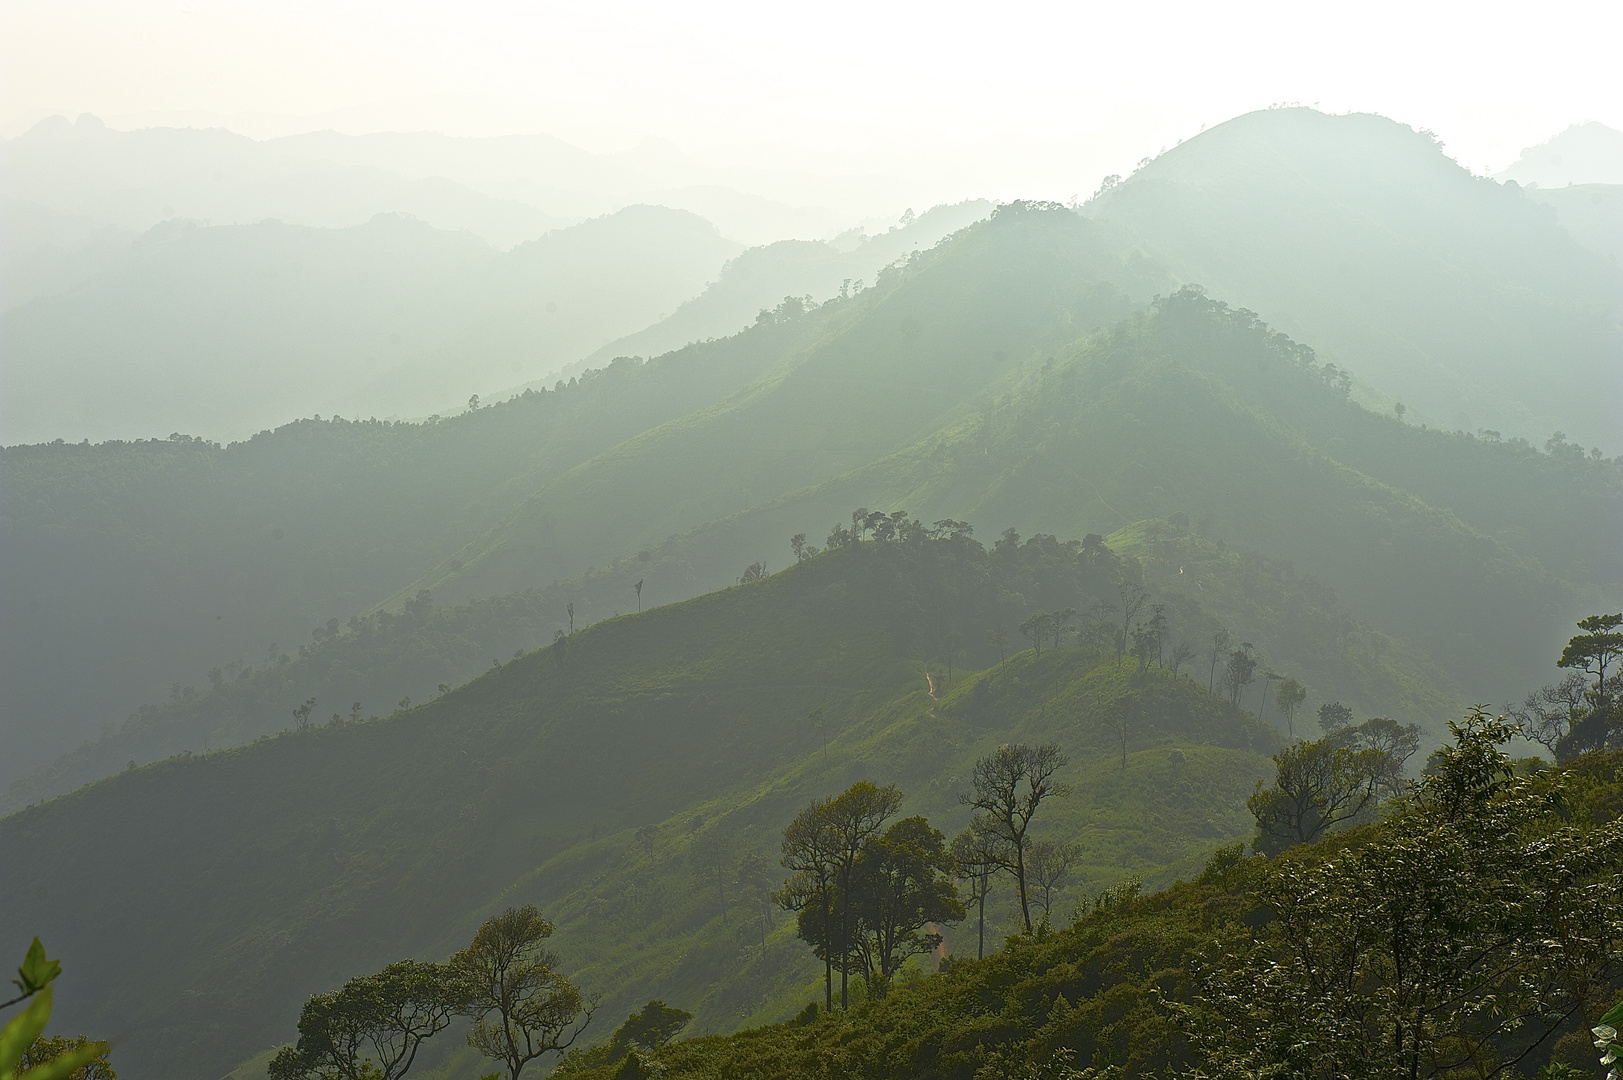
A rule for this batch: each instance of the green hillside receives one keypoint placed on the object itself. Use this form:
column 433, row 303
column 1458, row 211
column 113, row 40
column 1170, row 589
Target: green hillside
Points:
column 131, row 566
column 1435, row 287
column 254, row 877
column 1192, row 409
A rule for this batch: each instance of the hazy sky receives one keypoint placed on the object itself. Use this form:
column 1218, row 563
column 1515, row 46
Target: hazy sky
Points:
column 996, row 99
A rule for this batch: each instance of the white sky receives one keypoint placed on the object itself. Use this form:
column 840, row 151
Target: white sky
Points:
column 1035, row 99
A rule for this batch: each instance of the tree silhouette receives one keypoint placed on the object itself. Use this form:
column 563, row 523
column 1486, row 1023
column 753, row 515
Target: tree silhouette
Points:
column 1010, row 786
column 522, row 1008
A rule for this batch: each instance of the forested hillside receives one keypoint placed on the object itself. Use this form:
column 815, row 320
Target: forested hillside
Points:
column 907, row 394
column 257, row 876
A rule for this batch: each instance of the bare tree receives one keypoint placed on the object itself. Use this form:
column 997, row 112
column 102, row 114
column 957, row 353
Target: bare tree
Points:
column 1010, row 785
column 1546, row 716
column 980, row 854
column 1051, row 866
column 1182, row 653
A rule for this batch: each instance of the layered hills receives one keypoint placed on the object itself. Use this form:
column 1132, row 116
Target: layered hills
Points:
column 1436, row 287
column 226, row 330
column 253, row 877
column 968, row 385
column 1052, row 376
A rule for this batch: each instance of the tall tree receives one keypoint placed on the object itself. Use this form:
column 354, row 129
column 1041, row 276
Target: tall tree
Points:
column 1317, row 786
column 1218, row 649
column 1289, row 698
column 372, row 1027
column 1240, row 671
column 901, row 885
column 980, row 854
column 1010, row 786
column 855, row 816
column 811, row 853
column 521, row 1006
column 1131, row 597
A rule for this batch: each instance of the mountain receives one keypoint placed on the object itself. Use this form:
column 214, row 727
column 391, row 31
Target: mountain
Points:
column 758, row 279
column 164, row 559
column 253, row 877
column 1435, row 287
column 968, row 385
column 1592, row 213
column 227, row 330
column 136, row 179
column 1582, row 154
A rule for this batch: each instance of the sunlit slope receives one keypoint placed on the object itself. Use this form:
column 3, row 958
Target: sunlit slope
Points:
column 205, row 897
column 1460, row 297
column 132, row 566
column 903, row 359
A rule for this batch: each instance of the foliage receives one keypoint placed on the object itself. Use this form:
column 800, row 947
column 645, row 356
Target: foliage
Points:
column 371, row 1028
column 25, row 1052
column 522, row 1007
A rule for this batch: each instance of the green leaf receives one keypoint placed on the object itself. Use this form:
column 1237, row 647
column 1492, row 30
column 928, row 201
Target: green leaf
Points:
column 37, row 972
column 1614, row 1019
column 64, row 1065
column 20, row 1034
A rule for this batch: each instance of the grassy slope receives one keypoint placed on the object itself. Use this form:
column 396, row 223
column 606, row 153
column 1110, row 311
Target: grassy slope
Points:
column 207, row 896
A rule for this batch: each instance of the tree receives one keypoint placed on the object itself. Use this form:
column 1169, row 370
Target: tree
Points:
column 999, row 641
column 1333, row 716
column 24, row 1051
column 372, row 1027
column 712, row 858
column 802, row 552
column 638, row 587
column 1596, row 648
column 901, row 884
column 522, row 1008
column 649, row 1028
column 1548, row 713
column 1593, row 652
column 1051, row 865
column 1182, row 653
column 1240, row 671
column 1219, row 647
column 1036, row 629
column 811, row 854
column 755, row 883
column 855, row 816
column 301, row 715
column 1268, row 680
column 1131, row 596
column 1472, row 929
column 58, row 1050
column 979, row 853
column 646, row 836
column 755, row 571
column 1010, row 786
column 1289, row 698
column 1317, row 786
